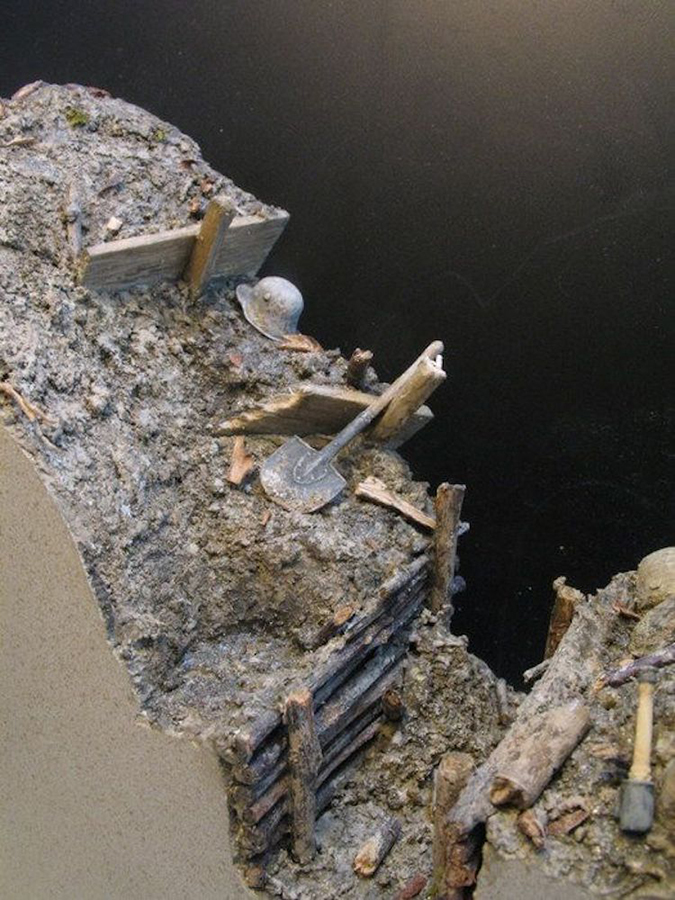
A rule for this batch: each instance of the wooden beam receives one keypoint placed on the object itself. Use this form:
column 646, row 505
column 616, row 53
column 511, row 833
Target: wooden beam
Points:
column 304, row 762
column 150, row 258
column 313, row 409
column 208, row 244
column 448, row 503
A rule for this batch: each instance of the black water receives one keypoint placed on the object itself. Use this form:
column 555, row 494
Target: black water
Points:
column 494, row 174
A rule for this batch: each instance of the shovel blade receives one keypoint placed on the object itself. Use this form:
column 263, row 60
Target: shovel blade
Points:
column 283, row 479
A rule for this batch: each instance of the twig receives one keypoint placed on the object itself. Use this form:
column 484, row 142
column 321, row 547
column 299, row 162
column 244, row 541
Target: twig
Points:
column 358, row 366
column 18, row 142
column 536, row 672
column 300, row 343
column 658, row 660
column 241, row 463
column 372, row 853
column 30, row 411
column 449, row 498
column 376, row 491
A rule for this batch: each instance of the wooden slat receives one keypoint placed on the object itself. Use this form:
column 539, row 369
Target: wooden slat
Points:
column 313, row 409
column 164, row 256
column 207, row 247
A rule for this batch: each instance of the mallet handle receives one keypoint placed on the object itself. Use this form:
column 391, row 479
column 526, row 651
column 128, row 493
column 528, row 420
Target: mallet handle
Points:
column 642, row 748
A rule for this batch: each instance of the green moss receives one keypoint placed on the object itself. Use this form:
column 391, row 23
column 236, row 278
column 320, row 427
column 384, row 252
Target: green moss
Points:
column 158, row 135
column 76, row 118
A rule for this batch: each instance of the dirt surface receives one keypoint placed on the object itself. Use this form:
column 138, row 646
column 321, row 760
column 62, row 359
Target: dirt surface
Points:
column 210, row 593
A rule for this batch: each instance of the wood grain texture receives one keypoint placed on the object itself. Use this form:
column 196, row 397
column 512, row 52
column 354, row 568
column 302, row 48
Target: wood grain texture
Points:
column 304, row 761
column 428, row 375
column 313, row 409
column 208, row 244
column 150, row 258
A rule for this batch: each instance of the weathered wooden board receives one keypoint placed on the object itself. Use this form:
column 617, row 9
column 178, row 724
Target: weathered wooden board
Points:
column 314, row 409
column 164, row 256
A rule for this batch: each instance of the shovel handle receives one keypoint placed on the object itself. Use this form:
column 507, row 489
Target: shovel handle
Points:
column 642, row 748
column 371, row 412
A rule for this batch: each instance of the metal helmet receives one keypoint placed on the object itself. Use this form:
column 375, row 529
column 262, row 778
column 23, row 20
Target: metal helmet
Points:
column 273, row 306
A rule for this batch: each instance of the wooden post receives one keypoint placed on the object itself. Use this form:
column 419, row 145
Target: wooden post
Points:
column 202, row 265
column 358, row 366
column 566, row 600
column 428, row 376
column 449, row 498
column 450, row 777
column 304, row 761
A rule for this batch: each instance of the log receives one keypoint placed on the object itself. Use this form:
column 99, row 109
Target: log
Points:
column 207, row 246
column 313, row 409
column 566, row 600
column 449, row 499
column 569, row 677
column 358, row 366
column 450, row 776
column 372, row 854
column 658, row 660
column 164, row 256
column 428, row 376
column 304, row 761
column 376, row 491
column 523, row 775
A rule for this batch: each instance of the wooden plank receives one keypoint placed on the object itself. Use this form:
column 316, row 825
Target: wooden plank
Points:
column 313, row 409
column 150, row 258
column 208, row 244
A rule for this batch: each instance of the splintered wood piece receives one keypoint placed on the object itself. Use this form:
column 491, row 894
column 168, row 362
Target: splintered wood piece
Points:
column 532, row 823
column 30, row 411
column 372, row 854
column 568, row 821
column 358, row 366
column 657, row 660
column 150, row 258
column 241, row 464
column 300, row 343
column 566, row 600
column 450, row 776
column 429, row 375
column 207, row 246
column 522, row 777
column 304, row 761
column 313, row 409
column 449, row 499
column 376, row 491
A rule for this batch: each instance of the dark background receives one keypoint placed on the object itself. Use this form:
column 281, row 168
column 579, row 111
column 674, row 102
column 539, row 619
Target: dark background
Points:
column 494, row 174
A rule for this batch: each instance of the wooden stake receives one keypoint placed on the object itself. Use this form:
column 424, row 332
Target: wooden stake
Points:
column 304, row 761
column 201, row 268
column 450, row 776
column 566, row 600
column 449, row 498
column 427, row 378
column 372, row 853
column 358, row 366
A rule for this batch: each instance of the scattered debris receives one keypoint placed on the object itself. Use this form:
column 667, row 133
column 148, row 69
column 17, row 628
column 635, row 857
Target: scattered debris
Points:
column 449, row 499
column 241, row 463
column 622, row 610
column 532, row 823
column 376, row 491
column 372, row 853
column 568, row 821
column 300, row 343
column 617, row 677
column 357, row 367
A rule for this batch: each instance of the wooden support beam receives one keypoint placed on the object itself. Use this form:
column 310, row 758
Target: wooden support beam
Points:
column 449, row 498
column 314, row 409
column 428, row 376
column 208, row 244
column 151, row 258
column 304, row 761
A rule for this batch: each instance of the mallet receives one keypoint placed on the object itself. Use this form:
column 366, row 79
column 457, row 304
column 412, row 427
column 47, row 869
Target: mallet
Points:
column 636, row 812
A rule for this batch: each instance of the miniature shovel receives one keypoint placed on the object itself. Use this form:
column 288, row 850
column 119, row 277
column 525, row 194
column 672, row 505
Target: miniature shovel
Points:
column 300, row 478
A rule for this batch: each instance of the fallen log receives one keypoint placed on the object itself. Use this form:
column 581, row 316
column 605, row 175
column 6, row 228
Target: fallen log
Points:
column 371, row 855
column 304, row 761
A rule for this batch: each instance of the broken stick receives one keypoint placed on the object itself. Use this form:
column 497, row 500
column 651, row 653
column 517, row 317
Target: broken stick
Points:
column 657, row 660
column 566, row 600
column 449, row 498
column 304, row 761
column 428, row 376
column 525, row 772
column 241, row 463
column 207, row 246
column 358, row 366
column 376, row 491
column 372, row 853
